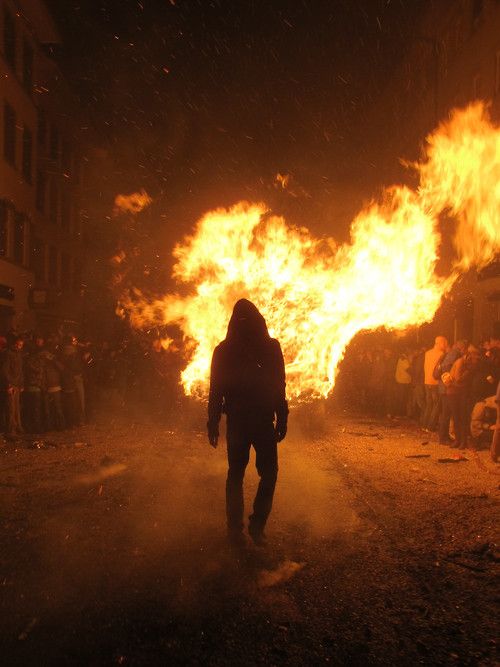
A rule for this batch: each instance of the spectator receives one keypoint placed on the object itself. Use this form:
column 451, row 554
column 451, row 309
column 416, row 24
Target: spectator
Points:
column 431, row 359
column 53, row 390
column 375, row 391
column 416, row 371
column 403, row 385
column 34, row 379
column 483, row 420
column 486, row 375
column 78, row 364
column 72, row 373
column 458, row 392
column 14, row 380
column 445, row 366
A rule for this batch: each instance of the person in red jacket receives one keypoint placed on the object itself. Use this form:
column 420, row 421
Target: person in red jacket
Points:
column 247, row 382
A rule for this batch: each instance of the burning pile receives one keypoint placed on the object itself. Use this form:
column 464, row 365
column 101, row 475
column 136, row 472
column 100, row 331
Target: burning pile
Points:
column 316, row 296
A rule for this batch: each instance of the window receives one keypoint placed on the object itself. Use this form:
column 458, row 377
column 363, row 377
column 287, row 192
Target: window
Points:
column 53, row 202
column 77, row 276
column 4, row 223
column 66, row 158
column 19, row 233
column 38, row 259
column 9, row 134
column 53, row 266
column 28, row 56
column 27, row 154
column 42, row 128
column 54, row 143
column 65, row 212
column 9, row 38
column 66, row 270
column 41, row 190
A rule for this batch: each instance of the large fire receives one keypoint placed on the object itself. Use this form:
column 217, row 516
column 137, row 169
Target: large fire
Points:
column 316, row 296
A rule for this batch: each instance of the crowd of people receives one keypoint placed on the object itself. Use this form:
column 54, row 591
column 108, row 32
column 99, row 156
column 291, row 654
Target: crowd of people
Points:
column 41, row 384
column 447, row 389
column 61, row 382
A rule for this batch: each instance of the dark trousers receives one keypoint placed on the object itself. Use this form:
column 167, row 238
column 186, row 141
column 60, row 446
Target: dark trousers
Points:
column 33, row 411
column 444, row 420
column 54, row 411
column 71, row 403
column 240, row 437
column 460, row 411
column 431, row 412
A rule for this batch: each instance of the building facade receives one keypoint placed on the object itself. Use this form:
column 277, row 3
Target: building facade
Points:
column 41, row 239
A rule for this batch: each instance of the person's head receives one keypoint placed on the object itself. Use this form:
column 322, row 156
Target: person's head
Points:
column 39, row 342
column 17, row 343
column 441, row 343
column 461, row 346
column 473, row 354
column 246, row 323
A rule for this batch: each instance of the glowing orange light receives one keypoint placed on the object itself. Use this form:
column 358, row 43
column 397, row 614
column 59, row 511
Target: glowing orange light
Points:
column 316, row 296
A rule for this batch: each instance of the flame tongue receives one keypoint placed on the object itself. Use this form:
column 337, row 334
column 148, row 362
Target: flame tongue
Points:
column 316, row 296
column 462, row 173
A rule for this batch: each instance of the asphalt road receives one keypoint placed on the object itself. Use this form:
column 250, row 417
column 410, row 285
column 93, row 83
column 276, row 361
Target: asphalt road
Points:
column 114, row 551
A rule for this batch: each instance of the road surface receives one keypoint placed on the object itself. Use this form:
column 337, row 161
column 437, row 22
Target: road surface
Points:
column 114, row 552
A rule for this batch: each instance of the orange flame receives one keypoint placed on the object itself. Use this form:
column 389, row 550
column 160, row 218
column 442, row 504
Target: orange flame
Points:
column 133, row 203
column 316, row 296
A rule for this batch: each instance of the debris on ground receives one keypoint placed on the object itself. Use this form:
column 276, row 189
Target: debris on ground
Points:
column 43, row 444
column 455, row 459
column 417, row 456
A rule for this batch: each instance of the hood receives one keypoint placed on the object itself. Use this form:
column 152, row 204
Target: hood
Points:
column 246, row 323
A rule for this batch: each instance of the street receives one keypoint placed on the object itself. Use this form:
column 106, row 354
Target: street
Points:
column 114, row 551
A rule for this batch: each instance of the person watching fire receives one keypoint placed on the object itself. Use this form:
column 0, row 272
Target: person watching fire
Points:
column 247, row 382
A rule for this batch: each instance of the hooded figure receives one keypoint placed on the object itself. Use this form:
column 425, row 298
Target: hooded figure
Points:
column 247, row 382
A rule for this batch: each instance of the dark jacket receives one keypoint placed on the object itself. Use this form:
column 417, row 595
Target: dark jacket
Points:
column 13, row 369
column 247, row 379
column 72, row 366
column 34, row 370
column 52, row 371
column 445, row 366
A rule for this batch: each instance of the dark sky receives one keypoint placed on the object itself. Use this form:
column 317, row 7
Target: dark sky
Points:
column 197, row 96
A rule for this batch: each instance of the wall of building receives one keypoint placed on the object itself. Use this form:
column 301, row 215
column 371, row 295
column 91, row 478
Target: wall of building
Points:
column 40, row 174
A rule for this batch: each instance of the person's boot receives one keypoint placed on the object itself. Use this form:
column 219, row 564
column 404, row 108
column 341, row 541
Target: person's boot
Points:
column 256, row 532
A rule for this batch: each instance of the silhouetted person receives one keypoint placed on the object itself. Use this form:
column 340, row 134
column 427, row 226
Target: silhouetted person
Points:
column 247, row 382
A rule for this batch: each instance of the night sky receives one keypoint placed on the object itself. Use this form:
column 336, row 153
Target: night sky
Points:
column 204, row 101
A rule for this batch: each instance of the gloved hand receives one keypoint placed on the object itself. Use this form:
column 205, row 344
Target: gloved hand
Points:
column 213, row 434
column 280, row 429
